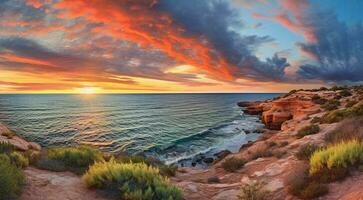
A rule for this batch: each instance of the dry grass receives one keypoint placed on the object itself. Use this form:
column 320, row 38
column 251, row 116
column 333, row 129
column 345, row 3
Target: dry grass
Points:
column 232, row 164
column 348, row 129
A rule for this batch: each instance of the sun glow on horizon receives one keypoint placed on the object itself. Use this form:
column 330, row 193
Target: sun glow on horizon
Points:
column 88, row 90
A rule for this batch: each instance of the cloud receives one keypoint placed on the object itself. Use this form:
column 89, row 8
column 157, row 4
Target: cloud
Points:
column 180, row 29
column 337, row 53
column 292, row 15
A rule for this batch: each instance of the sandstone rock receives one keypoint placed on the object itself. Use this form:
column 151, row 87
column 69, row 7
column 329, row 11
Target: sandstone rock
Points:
column 35, row 146
column 19, row 143
column 228, row 194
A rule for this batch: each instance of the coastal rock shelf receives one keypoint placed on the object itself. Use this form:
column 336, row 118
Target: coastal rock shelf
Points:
column 275, row 113
column 7, row 136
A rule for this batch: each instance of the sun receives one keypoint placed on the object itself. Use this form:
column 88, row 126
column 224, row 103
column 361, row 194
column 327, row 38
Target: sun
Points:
column 88, row 90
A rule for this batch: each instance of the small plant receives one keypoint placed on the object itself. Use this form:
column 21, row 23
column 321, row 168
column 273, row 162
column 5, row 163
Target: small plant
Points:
column 12, row 179
column 6, row 148
column 253, row 191
column 348, row 129
column 272, row 144
column 308, row 130
column 19, row 160
column 340, row 155
column 314, row 190
column 306, row 151
column 331, row 105
column 213, row 179
column 318, row 100
column 168, row 170
column 315, row 120
column 283, row 143
column 131, row 181
column 350, row 104
column 345, row 93
column 232, row 164
column 76, row 159
column 338, row 115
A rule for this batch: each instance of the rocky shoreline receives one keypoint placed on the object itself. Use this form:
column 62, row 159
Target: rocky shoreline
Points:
column 271, row 158
column 268, row 160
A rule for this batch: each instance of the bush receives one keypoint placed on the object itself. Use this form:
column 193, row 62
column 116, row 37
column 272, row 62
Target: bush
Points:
column 261, row 152
column 348, row 129
column 12, row 179
column 345, row 93
column 253, row 191
column 340, row 155
column 314, row 190
column 338, row 115
column 278, row 153
column 332, row 104
column 51, row 165
column 76, row 159
column 168, row 170
column 318, row 100
column 306, row 151
column 213, row 179
column 132, row 181
column 315, row 120
column 131, row 159
column 232, row 164
column 350, row 104
column 308, row 130
column 19, row 160
column 6, row 148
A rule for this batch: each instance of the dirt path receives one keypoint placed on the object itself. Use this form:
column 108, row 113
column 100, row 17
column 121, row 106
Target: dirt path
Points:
column 46, row 185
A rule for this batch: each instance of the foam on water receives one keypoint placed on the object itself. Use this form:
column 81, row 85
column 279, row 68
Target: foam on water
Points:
column 172, row 127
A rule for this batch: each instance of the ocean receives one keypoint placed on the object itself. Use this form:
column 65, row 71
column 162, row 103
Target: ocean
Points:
column 172, row 127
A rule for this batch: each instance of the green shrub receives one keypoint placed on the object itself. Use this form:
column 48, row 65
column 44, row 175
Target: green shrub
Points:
column 213, row 179
column 308, row 130
column 332, row 104
column 340, row 155
column 306, row 151
column 315, row 120
column 314, row 190
column 232, row 164
column 345, row 93
column 278, row 153
column 76, row 159
column 19, row 160
column 350, row 104
column 168, row 170
column 318, row 100
column 338, row 115
column 12, row 179
column 131, row 159
column 6, row 148
column 253, row 191
column 348, row 129
column 133, row 181
column 51, row 165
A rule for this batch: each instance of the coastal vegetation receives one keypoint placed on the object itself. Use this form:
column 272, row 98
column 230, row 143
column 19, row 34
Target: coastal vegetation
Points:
column 305, row 151
column 332, row 104
column 338, row 115
column 12, row 178
column 232, row 164
column 253, row 191
column 131, row 180
column 308, row 130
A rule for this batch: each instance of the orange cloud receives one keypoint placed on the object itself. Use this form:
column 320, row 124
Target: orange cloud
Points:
column 136, row 21
column 292, row 17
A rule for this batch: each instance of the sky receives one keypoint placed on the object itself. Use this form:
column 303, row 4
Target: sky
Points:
column 162, row 46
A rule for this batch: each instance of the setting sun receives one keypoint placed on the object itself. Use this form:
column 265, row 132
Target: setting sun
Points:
column 88, row 90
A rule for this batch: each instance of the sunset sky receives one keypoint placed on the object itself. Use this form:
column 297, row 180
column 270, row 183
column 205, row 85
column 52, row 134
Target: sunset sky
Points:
column 142, row 46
